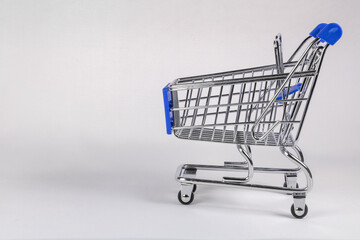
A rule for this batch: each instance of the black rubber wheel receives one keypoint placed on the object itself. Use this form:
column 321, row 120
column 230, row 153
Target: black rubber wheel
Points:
column 194, row 188
column 187, row 202
column 299, row 216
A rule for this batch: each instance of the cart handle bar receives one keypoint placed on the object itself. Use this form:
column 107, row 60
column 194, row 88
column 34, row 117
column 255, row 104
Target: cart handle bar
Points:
column 329, row 33
column 277, row 94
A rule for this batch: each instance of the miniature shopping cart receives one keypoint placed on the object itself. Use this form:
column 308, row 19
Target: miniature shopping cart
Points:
column 263, row 106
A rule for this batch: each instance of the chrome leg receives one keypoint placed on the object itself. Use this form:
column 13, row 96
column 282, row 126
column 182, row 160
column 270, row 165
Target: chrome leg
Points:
column 299, row 162
column 299, row 208
column 291, row 178
column 299, row 153
column 245, row 151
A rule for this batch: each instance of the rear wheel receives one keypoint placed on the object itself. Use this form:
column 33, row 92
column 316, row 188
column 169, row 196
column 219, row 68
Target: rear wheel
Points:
column 299, row 213
column 194, row 188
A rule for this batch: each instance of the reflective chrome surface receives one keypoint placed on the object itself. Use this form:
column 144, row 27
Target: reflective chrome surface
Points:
column 243, row 107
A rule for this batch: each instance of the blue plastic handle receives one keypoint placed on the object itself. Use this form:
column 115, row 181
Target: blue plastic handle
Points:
column 331, row 33
column 293, row 89
column 316, row 30
column 167, row 106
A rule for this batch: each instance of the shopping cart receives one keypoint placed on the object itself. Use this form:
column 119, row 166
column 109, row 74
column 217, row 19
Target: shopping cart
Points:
column 263, row 106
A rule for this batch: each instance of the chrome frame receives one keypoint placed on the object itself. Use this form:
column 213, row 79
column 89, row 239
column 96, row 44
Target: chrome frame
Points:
column 250, row 130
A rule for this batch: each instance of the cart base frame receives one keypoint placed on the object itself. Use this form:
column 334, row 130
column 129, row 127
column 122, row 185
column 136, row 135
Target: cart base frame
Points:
column 186, row 176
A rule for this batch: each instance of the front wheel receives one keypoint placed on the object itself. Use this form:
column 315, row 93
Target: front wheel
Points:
column 185, row 199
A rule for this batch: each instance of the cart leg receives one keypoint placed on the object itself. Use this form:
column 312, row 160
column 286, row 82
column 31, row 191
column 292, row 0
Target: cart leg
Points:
column 291, row 178
column 245, row 151
column 299, row 208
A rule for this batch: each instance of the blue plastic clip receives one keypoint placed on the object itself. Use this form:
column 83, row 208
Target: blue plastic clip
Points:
column 331, row 33
column 167, row 106
column 292, row 90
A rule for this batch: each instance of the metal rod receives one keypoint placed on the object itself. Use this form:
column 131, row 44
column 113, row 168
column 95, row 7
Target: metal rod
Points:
column 239, row 80
column 290, row 75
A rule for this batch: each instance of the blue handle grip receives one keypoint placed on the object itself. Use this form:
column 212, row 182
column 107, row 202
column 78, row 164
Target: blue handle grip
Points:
column 331, row 33
column 316, row 30
column 167, row 106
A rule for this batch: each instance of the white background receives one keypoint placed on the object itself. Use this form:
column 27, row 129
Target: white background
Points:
column 83, row 149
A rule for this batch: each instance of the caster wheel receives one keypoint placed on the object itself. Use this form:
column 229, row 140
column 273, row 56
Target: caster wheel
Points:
column 186, row 200
column 296, row 215
column 194, row 188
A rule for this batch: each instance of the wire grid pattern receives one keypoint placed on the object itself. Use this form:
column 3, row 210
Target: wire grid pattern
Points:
column 223, row 107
